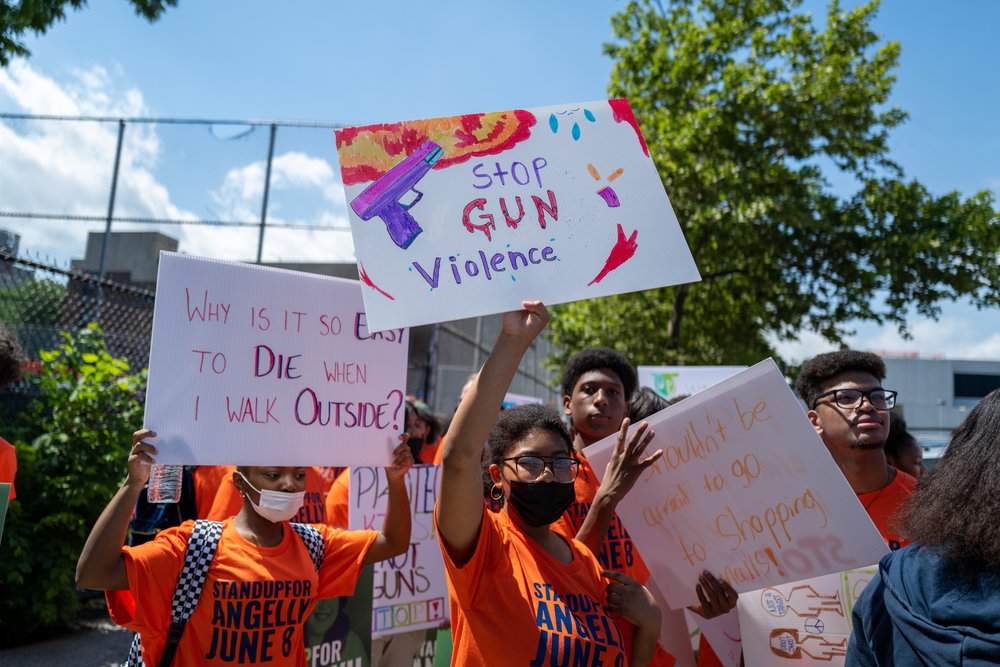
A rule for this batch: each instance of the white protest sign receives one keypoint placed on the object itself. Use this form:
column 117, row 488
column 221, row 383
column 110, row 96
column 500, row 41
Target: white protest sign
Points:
column 252, row 365
column 723, row 635
column 411, row 592
column 470, row 215
column 745, row 489
column 670, row 381
column 806, row 621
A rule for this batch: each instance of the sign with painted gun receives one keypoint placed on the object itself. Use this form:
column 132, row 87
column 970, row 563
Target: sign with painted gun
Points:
column 745, row 489
column 470, row 215
column 253, row 365
column 805, row 621
column 410, row 591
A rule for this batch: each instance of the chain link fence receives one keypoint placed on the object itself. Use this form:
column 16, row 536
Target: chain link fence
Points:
column 260, row 191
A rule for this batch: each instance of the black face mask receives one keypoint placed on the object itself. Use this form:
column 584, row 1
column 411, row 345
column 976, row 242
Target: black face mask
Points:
column 416, row 444
column 541, row 503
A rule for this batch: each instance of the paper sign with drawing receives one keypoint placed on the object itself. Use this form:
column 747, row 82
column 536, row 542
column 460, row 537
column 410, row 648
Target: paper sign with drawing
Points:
column 802, row 623
column 469, row 215
column 745, row 489
column 252, row 365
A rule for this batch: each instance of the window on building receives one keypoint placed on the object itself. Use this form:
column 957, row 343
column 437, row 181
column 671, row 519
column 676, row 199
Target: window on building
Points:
column 975, row 385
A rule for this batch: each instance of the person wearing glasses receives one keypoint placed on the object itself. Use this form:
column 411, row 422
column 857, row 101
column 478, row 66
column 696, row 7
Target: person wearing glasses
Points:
column 849, row 409
column 520, row 593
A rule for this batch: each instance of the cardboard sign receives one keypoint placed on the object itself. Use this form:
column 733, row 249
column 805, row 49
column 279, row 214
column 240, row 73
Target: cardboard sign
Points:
column 470, row 215
column 671, row 381
column 410, row 591
column 252, row 365
column 745, row 489
column 805, row 621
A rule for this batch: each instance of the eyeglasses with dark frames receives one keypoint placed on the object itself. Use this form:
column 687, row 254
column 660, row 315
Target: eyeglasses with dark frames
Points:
column 530, row 467
column 880, row 399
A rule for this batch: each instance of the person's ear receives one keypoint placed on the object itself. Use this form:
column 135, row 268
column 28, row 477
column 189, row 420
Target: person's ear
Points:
column 815, row 420
column 495, row 474
column 567, row 399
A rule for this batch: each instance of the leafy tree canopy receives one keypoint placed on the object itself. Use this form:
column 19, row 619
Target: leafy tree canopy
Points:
column 747, row 107
column 19, row 16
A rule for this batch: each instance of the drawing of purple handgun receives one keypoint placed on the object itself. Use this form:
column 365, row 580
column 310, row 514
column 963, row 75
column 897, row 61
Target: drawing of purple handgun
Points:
column 382, row 198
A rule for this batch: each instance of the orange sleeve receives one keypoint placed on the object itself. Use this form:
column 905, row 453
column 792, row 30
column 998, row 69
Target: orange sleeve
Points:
column 153, row 569
column 338, row 500
column 8, row 465
column 342, row 559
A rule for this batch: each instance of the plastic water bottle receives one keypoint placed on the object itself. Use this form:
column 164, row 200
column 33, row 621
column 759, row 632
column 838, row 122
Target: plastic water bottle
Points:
column 164, row 483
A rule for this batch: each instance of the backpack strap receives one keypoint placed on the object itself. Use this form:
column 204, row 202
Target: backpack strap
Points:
column 314, row 542
column 197, row 559
column 134, row 658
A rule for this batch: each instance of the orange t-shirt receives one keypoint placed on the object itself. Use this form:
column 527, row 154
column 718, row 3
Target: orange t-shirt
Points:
column 8, row 465
column 882, row 504
column 229, row 503
column 514, row 604
column 439, row 451
column 254, row 601
column 338, row 500
column 618, row 553
column 206, row 481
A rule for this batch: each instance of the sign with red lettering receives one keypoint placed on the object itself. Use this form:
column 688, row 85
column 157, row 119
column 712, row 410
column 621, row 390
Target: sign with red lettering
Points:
column 410, row 591
column 470, row 215
column 253, row 365
column 745, row 489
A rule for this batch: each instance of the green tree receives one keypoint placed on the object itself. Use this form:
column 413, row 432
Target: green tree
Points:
column 19, row 16
column 747, row 108
column 72, row 445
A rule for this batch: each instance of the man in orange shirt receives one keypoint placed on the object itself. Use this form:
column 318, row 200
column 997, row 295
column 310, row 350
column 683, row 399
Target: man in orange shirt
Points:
column 11, row 362
column 850, row 410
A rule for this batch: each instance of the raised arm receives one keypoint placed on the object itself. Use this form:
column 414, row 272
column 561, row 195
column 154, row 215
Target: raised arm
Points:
column 394, row 538
column 101, row 566
column 626, row 465
column 460, row 505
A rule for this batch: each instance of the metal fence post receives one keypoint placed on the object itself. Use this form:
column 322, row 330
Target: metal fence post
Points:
column 267, row 191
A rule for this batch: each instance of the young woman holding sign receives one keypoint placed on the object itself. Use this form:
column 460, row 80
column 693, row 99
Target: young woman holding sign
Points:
column 262, row 581
column 520, row 593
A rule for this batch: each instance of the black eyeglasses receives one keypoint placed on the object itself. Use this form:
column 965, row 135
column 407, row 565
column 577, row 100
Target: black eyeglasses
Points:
column 529, row 467
column 881, row 399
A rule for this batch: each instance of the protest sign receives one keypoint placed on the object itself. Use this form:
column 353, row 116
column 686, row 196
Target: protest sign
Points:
column 253, row 365
column 470, row 215
column 671, row 381
column 338, row 631
column 745, row 489
column 410, row 592
column 806, row 621
column 723, row 634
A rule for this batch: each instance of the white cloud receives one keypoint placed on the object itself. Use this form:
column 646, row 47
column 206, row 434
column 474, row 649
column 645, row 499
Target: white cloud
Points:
column 65, row 167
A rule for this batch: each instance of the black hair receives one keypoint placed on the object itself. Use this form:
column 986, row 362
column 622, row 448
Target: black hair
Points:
column 957, row 501
column 512, row 426
column 424, row 414
column 598, row 358
column 12, row 359
column 823, row 367
column 899, row 438
column 645, row 403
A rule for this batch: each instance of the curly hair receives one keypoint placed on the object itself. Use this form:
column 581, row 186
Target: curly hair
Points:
column 823, row 367
column 512, row 426
column 12, row 358
column 597, row 358
column 957, row 501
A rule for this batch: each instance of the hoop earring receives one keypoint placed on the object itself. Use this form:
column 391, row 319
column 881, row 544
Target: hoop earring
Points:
column 496, row 493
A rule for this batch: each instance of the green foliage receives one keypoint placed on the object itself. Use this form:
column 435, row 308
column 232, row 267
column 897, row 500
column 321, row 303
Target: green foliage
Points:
column 747, row 108
column 68, row 469
column 19, row 16
column 35, row 302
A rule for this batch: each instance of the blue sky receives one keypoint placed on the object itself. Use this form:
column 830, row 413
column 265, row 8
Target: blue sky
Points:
column 366, row 62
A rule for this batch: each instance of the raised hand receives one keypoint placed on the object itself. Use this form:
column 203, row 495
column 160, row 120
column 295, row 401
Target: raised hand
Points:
column 526, row 323
column 627, row 462
column 402, row 460
column 141, row 457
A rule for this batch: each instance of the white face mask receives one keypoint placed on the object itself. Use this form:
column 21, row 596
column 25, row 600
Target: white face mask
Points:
column 276, row 506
